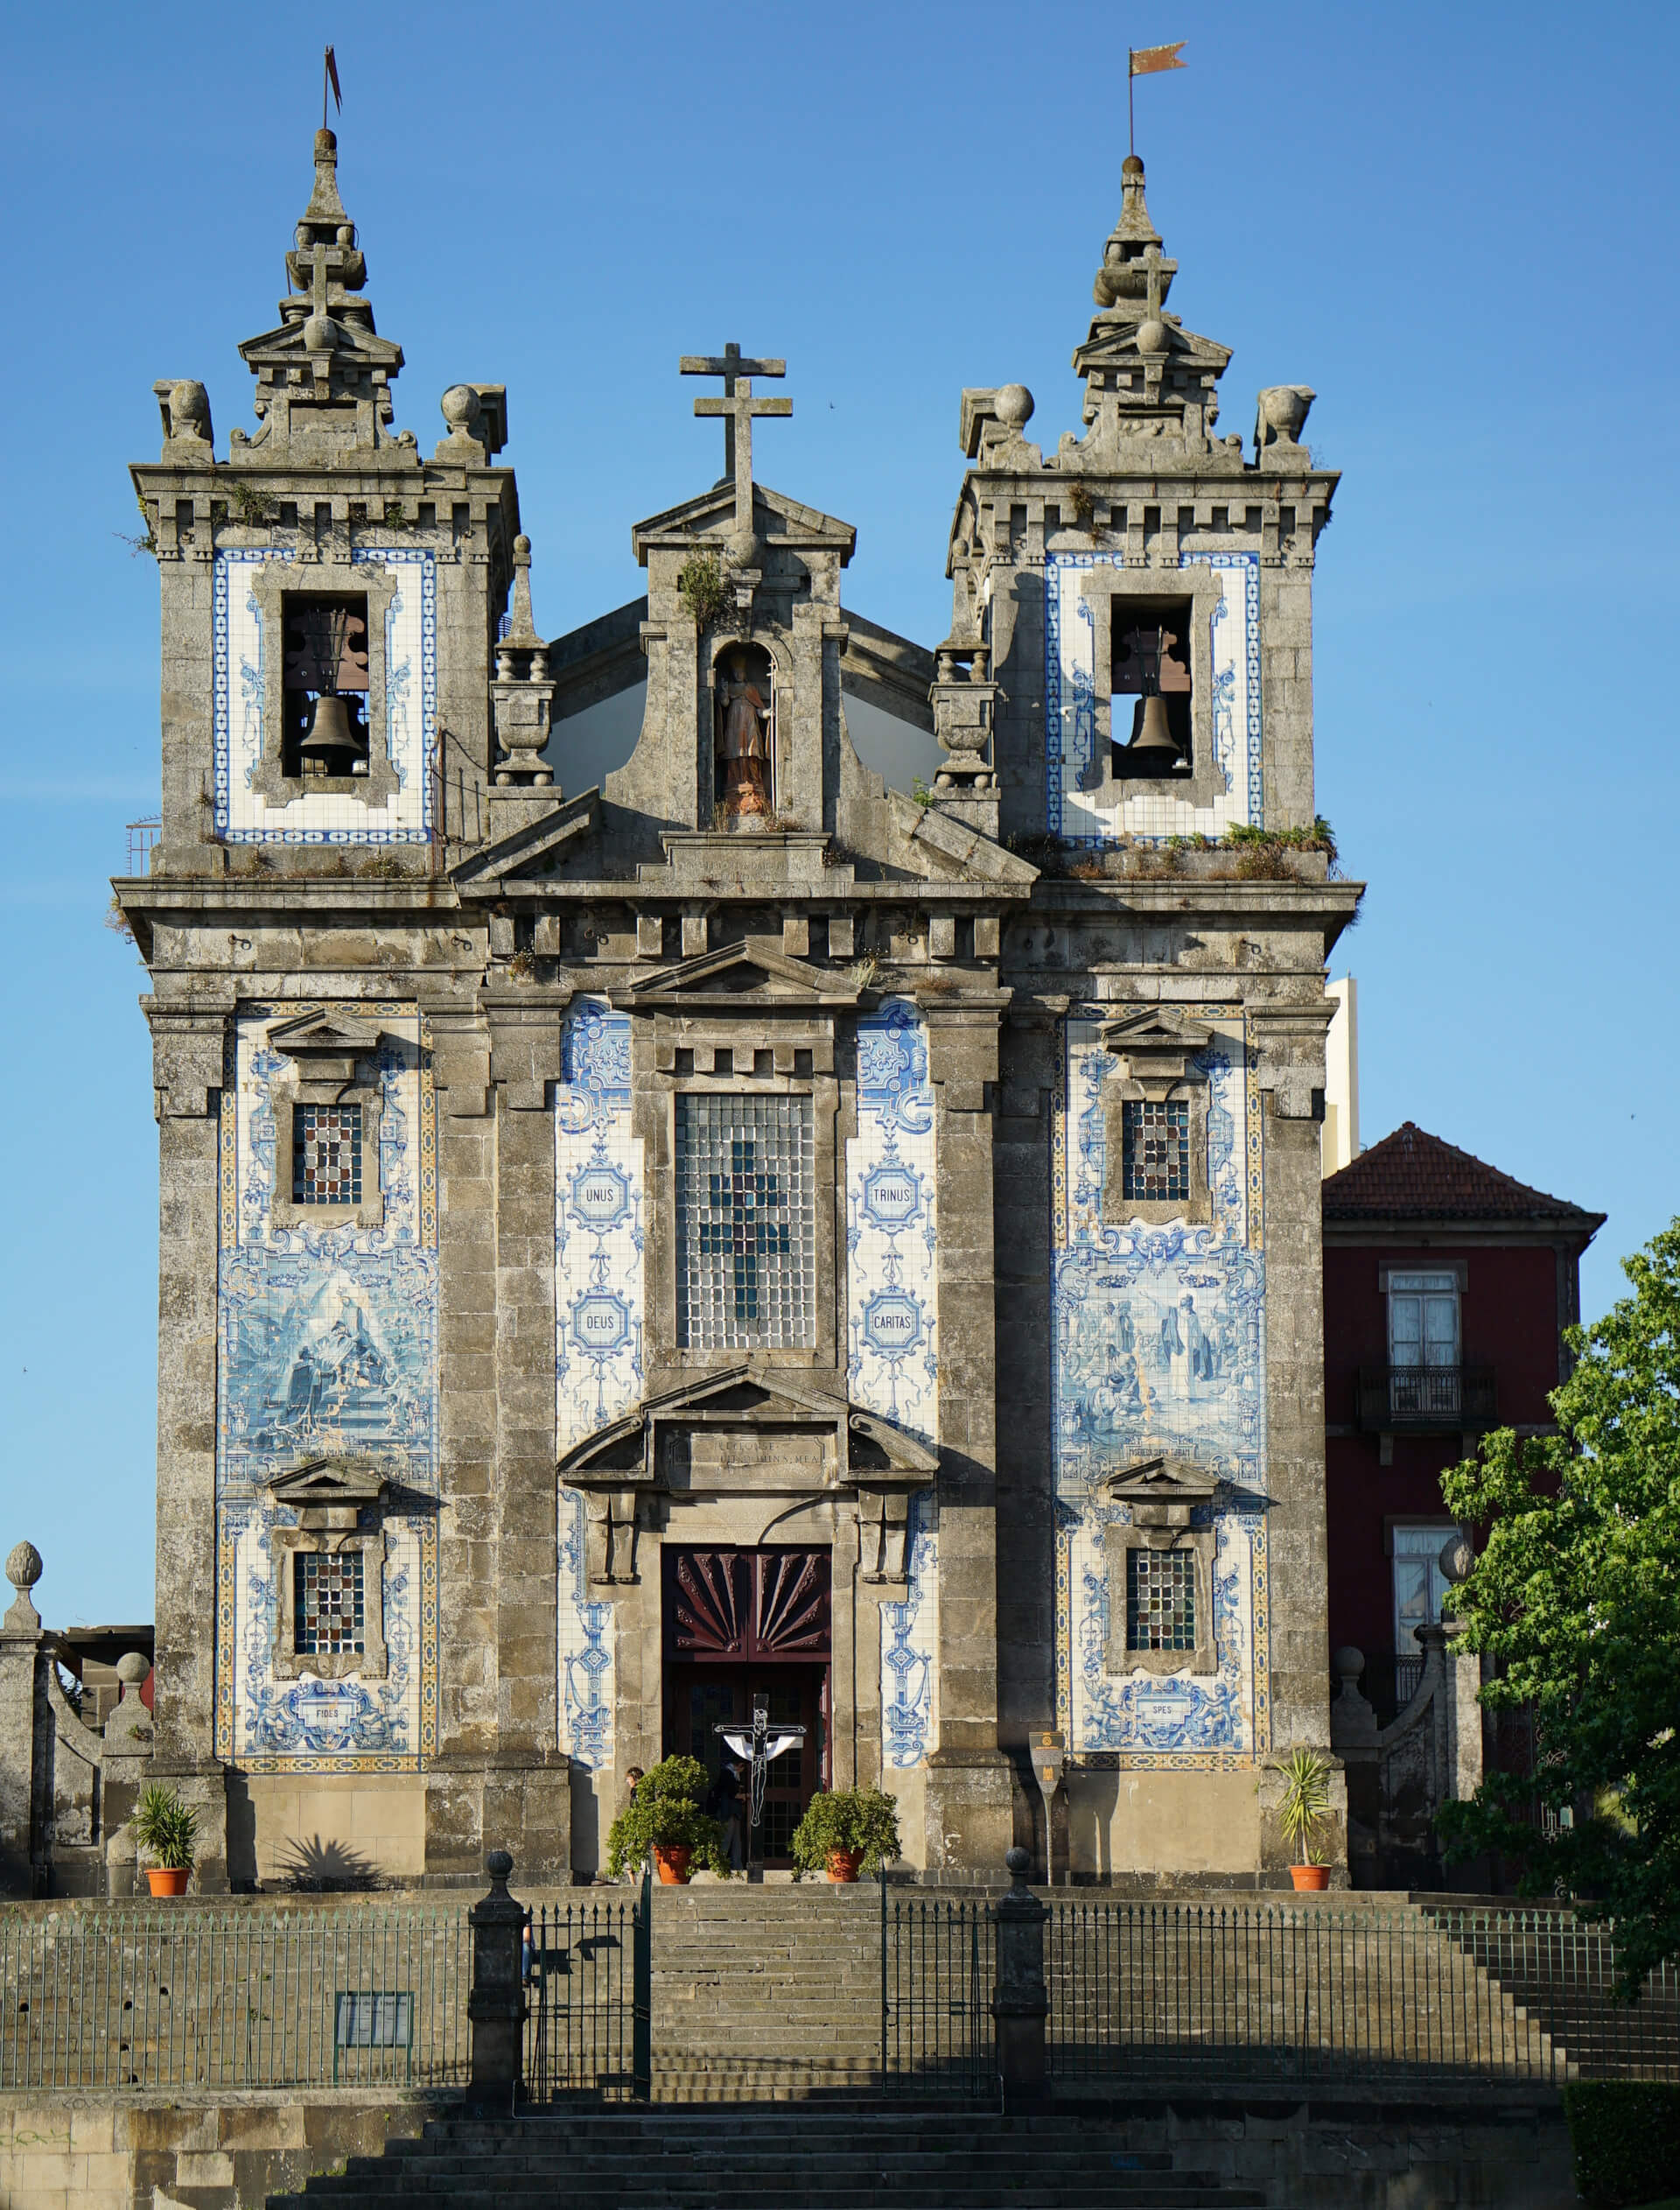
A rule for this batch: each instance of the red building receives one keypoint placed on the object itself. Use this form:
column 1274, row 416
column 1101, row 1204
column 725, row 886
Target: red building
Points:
column 1448, row 1285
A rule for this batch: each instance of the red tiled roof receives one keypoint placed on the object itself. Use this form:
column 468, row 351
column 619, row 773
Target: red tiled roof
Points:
column 1413, row 1175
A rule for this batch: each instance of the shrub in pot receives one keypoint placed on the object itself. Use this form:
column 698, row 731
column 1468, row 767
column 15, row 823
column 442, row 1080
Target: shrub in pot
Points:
column 664, row 1815
column 165, row 1829
column 1304, row 1808
column 845, row 1830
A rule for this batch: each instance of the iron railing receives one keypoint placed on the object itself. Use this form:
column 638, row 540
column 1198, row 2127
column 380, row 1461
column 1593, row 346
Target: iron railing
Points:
column 938, row 1964
column 583, row 1968
column 1438, row 1398
column 142, row 835
column 1344, row 1992
column 208, row 1996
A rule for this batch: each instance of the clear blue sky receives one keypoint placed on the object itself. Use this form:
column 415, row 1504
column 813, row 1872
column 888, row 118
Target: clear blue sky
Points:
column 1457, row 224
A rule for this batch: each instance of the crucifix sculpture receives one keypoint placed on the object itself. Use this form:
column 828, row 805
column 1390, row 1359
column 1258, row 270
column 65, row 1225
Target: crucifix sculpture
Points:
column 738, row 406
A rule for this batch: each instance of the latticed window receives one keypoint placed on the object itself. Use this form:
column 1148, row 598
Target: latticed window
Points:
column 1156, row 1139
column 326, row 1155
column 329, row 1616
column 745, row 1222
column 1160, row 1600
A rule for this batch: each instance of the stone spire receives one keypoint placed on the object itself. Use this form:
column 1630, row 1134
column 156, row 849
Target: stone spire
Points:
column 1148, row 380
column 324, row 377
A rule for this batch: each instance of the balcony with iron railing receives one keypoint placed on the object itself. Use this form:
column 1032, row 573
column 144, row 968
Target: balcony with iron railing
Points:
column 1426, row 1399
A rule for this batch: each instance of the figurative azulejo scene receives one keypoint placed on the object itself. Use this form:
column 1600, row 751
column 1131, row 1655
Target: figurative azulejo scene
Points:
column 909, row 1644
column 1159, row 1350
column 599, row 1308
column 1101, row 811
column 892, row 1330
column 327, row 1349
column 243, row 692
column 893, row 1314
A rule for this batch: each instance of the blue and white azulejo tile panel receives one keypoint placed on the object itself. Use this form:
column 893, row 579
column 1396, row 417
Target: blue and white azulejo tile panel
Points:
column 1149, row 810
column 892, row 1331
column 327, row 1340
column 598, row 1237
column 1159, row 1348
column 910, row 1649
column 892, row 1305
column 243, row 815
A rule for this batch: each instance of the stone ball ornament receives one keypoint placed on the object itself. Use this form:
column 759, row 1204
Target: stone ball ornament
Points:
column 319, row 336
column 132, row 1668
column 1152, row 336
column 1458, row 1557
column 462, row 407
column 1282, row 411
column 23, row 1566
column 189, row 410
column 1014, row 404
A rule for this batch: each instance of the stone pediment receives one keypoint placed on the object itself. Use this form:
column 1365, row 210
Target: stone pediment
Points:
column 1163, row 1491
column 779, row 521
column 863, row 1449
column 756, row 971
column 327, row 1047
column 530, row 849
column 1155, row 1045
column 327, row 1493
column 1113, row 342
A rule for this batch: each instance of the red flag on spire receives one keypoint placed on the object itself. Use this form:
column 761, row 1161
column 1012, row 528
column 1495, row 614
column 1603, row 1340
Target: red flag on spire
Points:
column 332, row 80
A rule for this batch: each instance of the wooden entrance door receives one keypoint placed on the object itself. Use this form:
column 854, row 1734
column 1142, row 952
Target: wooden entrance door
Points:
column 742, row 1623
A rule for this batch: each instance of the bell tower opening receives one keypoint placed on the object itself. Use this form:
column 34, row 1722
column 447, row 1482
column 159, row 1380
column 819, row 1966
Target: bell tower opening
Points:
column 744, row 737
column 1151, row 660
column 325, row 705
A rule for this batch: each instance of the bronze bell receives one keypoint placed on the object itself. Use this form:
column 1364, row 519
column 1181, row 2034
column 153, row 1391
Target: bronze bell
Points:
column 1154, row 737
column 334, row 746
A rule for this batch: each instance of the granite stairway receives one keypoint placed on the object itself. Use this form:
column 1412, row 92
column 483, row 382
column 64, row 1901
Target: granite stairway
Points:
column 754, row 2158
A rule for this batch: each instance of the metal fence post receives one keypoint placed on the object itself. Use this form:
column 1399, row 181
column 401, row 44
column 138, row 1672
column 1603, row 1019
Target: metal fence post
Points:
column 1020, row 2002
column 496, row 2005
column 641, row 1991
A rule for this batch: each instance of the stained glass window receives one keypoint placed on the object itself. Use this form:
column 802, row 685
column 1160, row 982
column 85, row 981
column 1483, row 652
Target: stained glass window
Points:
column 745, row 1222
column 1156, row 1139
column 1160, row 1600
column 326, row 1155
column 328, row 1613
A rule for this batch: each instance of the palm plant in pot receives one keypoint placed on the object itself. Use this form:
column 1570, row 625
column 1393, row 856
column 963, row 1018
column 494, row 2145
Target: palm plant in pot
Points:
column 846, row 1830
column 166, row 1830
column 664, row 1815
column 1304, row 1809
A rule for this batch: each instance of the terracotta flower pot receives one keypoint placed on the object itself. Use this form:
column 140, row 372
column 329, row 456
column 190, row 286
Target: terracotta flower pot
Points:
column 167, row 1879
column 672, row 1858
column 842, row 1865
column 1309, row 1878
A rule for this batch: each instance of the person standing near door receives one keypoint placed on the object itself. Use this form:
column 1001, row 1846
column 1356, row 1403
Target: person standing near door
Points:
column 726, row 1805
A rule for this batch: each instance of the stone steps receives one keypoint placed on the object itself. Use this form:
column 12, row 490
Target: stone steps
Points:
column 766, row 2159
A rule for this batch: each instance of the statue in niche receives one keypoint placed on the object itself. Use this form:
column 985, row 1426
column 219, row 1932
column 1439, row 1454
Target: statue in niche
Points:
column 744, row 736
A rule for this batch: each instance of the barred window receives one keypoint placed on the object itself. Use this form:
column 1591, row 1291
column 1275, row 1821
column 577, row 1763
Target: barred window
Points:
column 326, row 1155
column 328, row 1617
column 745, row 1222
column 1156, row 1142
column 1160, row 1600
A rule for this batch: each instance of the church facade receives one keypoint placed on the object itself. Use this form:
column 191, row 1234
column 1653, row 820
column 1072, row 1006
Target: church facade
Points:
column 743, row 1231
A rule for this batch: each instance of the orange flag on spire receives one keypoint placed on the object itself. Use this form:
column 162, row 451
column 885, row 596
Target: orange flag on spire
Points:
column 332, row 79
column 1145, row 60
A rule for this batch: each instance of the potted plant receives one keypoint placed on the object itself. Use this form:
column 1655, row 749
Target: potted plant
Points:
column 664, row 1815
column 1305, row 1807
column 167, row 1830
column 846, row 1829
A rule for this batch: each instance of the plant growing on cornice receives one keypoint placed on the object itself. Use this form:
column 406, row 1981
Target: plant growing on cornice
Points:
column 395, row 517
column 920, row 792
column 700, row 586
column 252, row 506
column 137, row 545
column 1084, row 508
column 117, row 921
column 1320, row 838
column 862, row 973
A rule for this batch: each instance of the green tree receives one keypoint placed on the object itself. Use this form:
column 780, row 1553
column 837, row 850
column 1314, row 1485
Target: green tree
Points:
column 1577, row 1594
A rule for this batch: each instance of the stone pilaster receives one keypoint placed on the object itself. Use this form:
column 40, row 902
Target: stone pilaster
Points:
column 969, row 1781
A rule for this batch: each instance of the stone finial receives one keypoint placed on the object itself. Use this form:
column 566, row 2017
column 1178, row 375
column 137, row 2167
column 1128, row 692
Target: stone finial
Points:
column 477, row 417
column 24, row 1569
column 523, row 689
column 1458, row 1557
column 183, row 406
column 1281, row 415
column 1018, row 1862
column 132, row 1668
column 1132, row 267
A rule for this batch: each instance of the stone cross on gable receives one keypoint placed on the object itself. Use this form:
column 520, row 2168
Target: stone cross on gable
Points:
column 737, row 407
